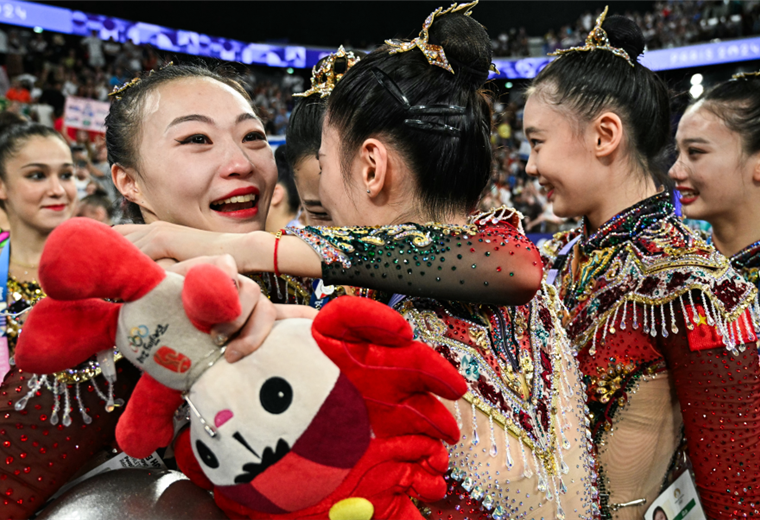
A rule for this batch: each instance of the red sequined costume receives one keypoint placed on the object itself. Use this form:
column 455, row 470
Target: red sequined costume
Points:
column 524, row 450
column 44, row 444
column 663, row 330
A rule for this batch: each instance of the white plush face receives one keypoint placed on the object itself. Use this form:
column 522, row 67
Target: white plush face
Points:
column 259, row 403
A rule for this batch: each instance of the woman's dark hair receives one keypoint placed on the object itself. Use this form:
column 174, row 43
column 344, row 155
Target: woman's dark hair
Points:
column 304, row 133
column 285, row 177
column 390, row 97
column 125, row 115
column 737, row 103
column 15, row 131
column 591, row 82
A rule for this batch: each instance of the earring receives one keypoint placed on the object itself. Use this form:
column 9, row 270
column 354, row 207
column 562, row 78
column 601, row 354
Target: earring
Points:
column 368, row 191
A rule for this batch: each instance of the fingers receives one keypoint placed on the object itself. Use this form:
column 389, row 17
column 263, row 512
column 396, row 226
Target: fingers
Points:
column 250, row 296
column 224, row 262
column 295, row 311
column 128, row 229
column 254, row 332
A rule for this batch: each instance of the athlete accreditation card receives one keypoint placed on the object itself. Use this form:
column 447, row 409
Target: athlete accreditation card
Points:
column 678, row 502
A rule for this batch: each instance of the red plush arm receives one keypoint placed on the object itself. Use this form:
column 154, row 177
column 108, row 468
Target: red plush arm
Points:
column 58, row 335
column 147, row 423
column 86, row 259
column 210, row 297
column 373, row 345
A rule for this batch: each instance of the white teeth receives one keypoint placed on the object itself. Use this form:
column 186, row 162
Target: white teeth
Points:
column 236, row 200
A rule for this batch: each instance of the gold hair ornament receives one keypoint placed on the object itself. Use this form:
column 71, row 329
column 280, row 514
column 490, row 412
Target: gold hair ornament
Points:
column 324, row 78
column 118, row 91
column 597, row 39
column 745, row 75
column 434, row 54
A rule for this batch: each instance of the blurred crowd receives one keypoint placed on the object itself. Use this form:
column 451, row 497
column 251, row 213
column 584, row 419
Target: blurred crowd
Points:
column 673, row 23
column 39, row 70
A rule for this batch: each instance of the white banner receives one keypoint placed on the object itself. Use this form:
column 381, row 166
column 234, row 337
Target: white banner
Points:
column 85, row 114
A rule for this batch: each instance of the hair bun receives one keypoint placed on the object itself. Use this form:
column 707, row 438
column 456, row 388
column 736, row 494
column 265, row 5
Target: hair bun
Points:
column 467, row 47
column 625, row 34
column 10, row 119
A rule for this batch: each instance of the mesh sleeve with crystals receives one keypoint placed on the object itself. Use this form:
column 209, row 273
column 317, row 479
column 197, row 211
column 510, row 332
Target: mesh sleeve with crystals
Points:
column 486, row 263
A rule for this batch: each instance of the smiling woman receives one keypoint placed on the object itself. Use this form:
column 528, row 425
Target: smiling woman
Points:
column 186, row 147
column 38, row 193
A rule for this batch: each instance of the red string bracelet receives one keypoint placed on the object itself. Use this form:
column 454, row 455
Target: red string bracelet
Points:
column 277, row 237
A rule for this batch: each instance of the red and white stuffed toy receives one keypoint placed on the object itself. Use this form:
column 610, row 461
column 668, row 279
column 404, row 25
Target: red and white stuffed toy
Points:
column 332, row 418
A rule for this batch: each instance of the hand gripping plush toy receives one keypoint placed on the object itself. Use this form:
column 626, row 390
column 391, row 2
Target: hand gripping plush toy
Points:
column 331, row 418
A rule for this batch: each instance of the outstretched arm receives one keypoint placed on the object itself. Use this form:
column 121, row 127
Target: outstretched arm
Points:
column 488, row 263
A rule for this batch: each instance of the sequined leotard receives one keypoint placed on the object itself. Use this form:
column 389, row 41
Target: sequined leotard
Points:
column 522, row 378
column 44, row 444
column 663, row 330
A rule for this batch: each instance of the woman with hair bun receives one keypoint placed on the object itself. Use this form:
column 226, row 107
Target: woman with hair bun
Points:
column 406, row 140
column 717, row 173
column 660, row 321
column 44, row 440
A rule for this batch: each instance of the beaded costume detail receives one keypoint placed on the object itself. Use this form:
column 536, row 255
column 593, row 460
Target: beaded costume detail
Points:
column 22, row 296
column 523, row 378
column 660, row 322
column 525, row 446
column 455, row 262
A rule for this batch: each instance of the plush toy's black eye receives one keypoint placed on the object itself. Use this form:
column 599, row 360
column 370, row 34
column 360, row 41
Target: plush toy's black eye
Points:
column 276, row 395
column 207, row 456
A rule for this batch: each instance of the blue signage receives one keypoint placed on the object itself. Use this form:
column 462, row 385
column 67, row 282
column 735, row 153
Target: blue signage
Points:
column 49, row 18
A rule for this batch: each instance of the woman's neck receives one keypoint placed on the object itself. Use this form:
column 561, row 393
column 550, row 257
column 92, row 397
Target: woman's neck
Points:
column 27, row 242
column 629, row 191
column 734, row 231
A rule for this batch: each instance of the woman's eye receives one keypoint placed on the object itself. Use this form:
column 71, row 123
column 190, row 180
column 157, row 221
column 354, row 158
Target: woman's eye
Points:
column 195, row 139
column 534, row 142
column 319, row 216
column 67, row 176
column 36, row 176
column 255, row 136
column 695, row 151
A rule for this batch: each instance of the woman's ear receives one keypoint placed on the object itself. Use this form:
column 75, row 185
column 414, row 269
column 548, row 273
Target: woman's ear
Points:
column 608, row 133
column 125, row 180
column 373, row 161
column 754, row 161
column 278, row 195
column 3, row 191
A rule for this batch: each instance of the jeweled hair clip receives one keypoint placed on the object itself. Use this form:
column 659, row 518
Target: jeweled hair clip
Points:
column 597, row 39
column 433, row 53
column 324, row 78
column 420, row 110
column 745, row 75
column 119, row 90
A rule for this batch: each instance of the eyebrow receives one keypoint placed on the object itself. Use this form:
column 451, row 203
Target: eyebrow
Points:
column 690, row 140
column 531, row 130
column 245, row 116
column 41, row 165
column 191, row 117
column 311, row 202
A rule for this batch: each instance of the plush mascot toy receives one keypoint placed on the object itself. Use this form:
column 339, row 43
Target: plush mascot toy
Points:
column 332, row 418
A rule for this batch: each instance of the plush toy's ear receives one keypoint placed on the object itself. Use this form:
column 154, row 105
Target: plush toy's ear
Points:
column 86, row 259
column 210, row 297
column 59, row 335
column 373, row 345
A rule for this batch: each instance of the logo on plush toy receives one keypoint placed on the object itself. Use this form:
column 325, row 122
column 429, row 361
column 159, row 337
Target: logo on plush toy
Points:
column 139, row 339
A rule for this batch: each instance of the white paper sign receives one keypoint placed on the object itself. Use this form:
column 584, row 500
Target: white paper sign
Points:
column 679, row 502
column 85, row 114
column 120, row 461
